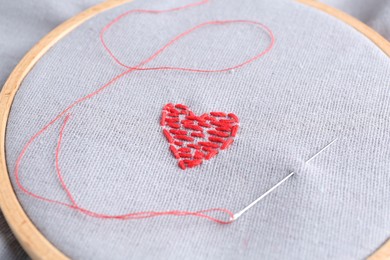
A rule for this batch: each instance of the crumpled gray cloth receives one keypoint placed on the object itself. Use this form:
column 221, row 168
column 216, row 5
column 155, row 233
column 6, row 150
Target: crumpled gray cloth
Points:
column 375, row 13
column 23, row 23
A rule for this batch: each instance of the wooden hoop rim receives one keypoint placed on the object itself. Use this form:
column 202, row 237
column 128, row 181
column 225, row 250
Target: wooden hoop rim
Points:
column 35, row 244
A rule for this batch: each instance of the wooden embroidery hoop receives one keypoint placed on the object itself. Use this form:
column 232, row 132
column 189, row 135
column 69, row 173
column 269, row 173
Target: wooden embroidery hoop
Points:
column 35, row 244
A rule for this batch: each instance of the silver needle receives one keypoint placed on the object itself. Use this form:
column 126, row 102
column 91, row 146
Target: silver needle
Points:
column 238, row 214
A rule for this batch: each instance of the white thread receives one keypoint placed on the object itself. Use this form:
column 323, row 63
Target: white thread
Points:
column 238, row 214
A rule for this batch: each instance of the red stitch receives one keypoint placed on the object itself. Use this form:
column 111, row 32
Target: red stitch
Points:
column 168, row 136
column 173, row 114
column 187, row 121
column 197, row 147
column 204, row 124
column 185, row 155
column 226, row 125
column 168, row 106
column 173, row 125
column 227, row 121
column 180, row 106
column 224, row 129
column 217, row 133
column 226, row 144
column 172, row 120
column 234, row 130
column 234, row 117
column 174, row 151
column 184, row 138
column 163, row 116
column 193, row 127
column 217, row 123
column 182, row 165
column 208, row 144
column 220, row 114
column 178, row 132
column 192, row 117
column 198, row 155
column 208, row 149
column 204, row 116
column 230, row 126
column 174, row 111
column 178, row 143
column 216, row 139
column 211, row 155
column 185, row 150
column 193, row 163
column 196, row 134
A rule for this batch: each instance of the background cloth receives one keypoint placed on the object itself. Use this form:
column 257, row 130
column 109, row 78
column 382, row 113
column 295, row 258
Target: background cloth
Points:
column 23, row 23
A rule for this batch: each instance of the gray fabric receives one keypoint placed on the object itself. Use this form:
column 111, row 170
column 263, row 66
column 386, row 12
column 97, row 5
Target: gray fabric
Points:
column 9, row 246
column 315, row 85
column 375, row 13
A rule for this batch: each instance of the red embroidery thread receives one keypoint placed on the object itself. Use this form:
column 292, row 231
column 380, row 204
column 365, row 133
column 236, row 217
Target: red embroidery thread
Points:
column 198, row 130
column 173, row 114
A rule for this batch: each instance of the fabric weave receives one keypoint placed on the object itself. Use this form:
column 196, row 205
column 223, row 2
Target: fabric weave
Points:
column 322, row 80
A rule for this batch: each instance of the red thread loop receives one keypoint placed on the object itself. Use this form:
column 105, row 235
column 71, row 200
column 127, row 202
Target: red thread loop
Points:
column 172, row 112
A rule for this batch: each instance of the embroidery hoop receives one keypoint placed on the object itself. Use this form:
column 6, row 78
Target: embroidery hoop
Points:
column 35, row 244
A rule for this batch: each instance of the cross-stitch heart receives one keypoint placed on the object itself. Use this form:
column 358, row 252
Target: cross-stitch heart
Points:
column 193, row 139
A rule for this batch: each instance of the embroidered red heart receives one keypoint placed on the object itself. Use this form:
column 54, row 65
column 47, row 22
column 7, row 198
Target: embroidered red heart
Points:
column 193, row 139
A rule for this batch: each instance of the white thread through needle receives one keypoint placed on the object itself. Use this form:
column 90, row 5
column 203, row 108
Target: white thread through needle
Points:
column 238, row 214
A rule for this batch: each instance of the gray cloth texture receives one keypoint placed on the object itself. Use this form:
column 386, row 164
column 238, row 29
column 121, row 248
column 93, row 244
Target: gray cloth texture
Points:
column 322, row 80
column 24, row 22
column 375, row 14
